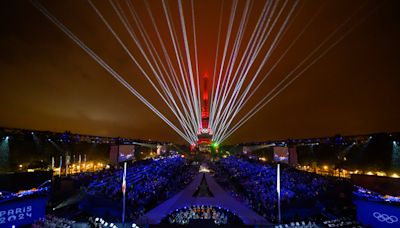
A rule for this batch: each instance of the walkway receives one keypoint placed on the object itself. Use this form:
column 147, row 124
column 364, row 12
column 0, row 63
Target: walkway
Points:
column 220, row 198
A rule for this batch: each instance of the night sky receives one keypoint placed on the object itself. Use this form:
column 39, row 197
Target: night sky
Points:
column 48, row 83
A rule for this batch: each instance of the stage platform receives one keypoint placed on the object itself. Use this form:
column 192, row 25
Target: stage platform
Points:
column 220, row 198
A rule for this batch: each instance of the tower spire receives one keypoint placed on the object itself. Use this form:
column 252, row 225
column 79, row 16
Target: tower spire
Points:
column 205, row 133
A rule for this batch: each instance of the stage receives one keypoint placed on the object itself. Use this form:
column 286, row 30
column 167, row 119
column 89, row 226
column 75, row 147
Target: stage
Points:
column 220, row 198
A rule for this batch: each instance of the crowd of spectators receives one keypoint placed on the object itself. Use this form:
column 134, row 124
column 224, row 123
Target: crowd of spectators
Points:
column 147, row 183
column 100, row 223
column 301, row 224
column 342, row 222
column 52, row 221
column 303, row 194
column 40, row 191
column 373, row 196
column 5, row 195
column 196, row 212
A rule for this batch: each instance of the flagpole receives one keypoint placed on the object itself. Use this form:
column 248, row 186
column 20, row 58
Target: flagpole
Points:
column 59, row 173
column 278, row 189
column 123, row 194
column 80, row 163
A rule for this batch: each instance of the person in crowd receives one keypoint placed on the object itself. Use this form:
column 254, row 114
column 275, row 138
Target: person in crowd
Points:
column 196, row 212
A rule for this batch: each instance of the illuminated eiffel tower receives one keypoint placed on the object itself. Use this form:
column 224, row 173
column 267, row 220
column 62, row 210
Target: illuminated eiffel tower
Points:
column 205, row 132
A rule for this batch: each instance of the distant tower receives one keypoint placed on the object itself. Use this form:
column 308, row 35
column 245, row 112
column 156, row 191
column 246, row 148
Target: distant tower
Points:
column 205, row 133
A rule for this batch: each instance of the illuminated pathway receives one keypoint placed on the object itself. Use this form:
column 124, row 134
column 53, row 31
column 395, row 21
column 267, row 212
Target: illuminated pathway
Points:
column 220, row 198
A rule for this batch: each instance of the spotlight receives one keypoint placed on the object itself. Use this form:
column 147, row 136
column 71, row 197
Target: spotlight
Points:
column 7, row 137
column 215, row 145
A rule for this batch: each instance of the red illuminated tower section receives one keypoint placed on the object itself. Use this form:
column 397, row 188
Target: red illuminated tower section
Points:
column 204, row 106
column 204, row 133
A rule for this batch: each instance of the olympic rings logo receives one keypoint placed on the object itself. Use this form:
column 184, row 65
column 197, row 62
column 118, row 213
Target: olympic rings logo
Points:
column 385, row 218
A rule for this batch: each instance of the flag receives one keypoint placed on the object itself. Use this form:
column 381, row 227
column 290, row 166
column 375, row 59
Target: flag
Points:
column 124, row 180
column 123, row 193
